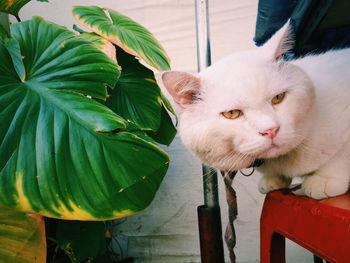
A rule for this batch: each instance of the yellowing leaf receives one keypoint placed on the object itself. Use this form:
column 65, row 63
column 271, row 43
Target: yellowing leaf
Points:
column 22, row 237
column 124, row 32
column 101, row 43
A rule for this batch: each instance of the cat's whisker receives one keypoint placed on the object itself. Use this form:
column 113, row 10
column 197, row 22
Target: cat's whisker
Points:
column 228, row 159
column 238, row 162
column 252, row 148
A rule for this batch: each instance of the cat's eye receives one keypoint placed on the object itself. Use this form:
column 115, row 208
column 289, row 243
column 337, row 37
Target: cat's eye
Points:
column 278, row 98
column 232, row 114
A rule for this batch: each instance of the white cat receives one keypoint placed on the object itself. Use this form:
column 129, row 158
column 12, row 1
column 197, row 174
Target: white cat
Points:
column 253, row 104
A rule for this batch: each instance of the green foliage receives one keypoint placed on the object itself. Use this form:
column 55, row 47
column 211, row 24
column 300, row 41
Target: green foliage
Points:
column 79, row 123
column 81, row 239
column 12, row 6
column 136, row 96
column 4, row 27
column 3, row 34
column 124, row 32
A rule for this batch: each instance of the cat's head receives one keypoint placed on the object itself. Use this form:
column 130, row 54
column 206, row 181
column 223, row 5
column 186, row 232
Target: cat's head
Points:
column 249, row 105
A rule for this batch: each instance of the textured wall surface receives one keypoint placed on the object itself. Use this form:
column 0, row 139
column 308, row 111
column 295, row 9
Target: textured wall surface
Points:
column 167, row 231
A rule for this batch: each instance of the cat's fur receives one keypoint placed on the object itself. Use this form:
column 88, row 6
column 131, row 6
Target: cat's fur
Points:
column 313, row 120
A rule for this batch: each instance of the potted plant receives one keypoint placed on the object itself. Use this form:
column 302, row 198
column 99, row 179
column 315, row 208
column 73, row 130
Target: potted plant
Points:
column 81, row 119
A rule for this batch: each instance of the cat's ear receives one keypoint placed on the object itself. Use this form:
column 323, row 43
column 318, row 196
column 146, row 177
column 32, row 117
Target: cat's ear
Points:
column 182, row 86
column 281, row 42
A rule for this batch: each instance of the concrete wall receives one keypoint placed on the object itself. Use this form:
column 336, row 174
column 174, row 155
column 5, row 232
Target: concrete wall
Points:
column 167, row 230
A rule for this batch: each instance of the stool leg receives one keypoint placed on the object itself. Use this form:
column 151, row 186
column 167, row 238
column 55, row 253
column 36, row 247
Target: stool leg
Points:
column 272, row 247
column 317, row 259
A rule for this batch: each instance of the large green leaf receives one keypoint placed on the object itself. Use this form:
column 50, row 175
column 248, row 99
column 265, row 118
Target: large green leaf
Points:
column 12, row 6
column 136, row 96
column 166, row 131
column 124, row 32
column 101, row 43
column 22, row 237
column 62, row 154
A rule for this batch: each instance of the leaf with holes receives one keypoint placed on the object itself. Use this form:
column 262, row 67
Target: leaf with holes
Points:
column 123, row 32
column 62, row 154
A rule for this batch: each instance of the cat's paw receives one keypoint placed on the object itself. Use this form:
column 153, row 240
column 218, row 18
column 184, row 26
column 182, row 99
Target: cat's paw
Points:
column 270, row 183
column 320, row 187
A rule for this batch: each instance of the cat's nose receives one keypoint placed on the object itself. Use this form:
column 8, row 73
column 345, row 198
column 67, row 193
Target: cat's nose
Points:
column 270, row 133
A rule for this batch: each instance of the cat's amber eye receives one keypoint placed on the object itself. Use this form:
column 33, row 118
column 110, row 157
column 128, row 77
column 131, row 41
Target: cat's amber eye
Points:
column 278, row 98
column 232, row 114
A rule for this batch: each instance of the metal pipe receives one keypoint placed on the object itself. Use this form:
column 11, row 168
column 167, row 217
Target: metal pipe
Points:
column 210, row 186
column 209, row 219
column 204, row 60
column 202, row 33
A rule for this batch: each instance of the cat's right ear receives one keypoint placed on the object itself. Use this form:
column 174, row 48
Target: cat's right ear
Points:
column 183, row 87
column 281, row 42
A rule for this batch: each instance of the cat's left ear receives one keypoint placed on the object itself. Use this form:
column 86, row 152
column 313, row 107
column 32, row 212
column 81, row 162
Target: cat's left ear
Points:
column 281, row 42
column 182, row 86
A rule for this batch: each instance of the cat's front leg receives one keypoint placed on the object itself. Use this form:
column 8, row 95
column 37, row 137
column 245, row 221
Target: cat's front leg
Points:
column 269, row 183
column 330, row 180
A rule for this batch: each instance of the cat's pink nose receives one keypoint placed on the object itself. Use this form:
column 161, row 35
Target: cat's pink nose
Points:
column 271, row 133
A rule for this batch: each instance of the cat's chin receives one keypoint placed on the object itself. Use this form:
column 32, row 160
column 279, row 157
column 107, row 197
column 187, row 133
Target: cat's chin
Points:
column 273, row 151
column 229, row 164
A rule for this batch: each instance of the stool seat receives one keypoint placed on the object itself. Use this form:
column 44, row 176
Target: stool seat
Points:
column 321, row 226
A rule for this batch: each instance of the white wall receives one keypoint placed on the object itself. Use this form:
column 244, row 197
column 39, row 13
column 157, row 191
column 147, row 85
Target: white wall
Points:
column 167, row 230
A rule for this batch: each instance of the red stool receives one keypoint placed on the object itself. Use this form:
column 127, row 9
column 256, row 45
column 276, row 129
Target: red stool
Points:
column 322, row 227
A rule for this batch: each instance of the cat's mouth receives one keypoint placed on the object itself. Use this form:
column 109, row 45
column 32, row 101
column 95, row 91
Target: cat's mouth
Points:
column 272, row 146
column 271, row 151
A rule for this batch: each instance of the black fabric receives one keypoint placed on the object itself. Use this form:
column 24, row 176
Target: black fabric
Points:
column 318, row 25
column 272, row 15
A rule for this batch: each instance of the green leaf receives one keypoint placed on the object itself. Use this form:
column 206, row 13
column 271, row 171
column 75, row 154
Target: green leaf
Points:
column 3, row 34
column 169, row 107
column 101, row 43
column 124, row 32
column 78, row 29
column 136, row 96
column 15, row 53
column 22, row 237
column 62, row 154
column 166, row 132
column 4, row 25
column 81, row 239
column 12, row 6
